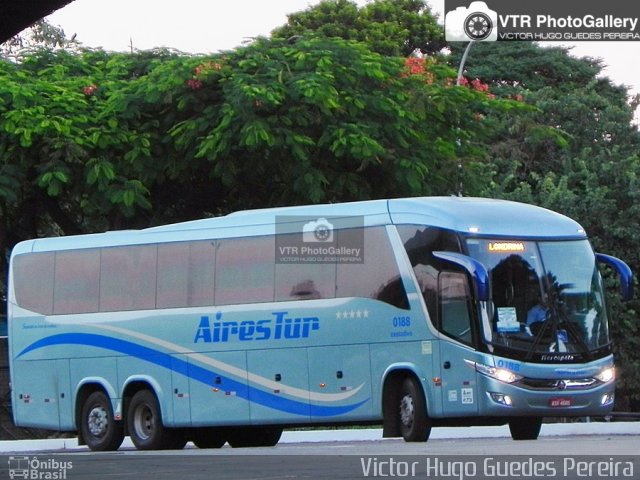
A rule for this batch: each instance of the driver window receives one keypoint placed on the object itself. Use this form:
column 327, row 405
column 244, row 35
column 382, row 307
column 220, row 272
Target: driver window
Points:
column 455, row 311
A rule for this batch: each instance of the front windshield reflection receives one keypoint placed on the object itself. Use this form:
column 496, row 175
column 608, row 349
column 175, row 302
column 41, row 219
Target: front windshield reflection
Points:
column 546, row 298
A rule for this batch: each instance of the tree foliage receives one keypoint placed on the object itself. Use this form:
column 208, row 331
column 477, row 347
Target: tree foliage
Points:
column 389, row 27
column 40, row 34
column 93, row 140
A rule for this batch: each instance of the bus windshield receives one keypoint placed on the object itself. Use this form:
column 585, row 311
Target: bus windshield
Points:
column 547, row 299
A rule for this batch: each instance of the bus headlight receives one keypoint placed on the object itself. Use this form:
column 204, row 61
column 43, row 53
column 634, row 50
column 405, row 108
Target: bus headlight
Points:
column 606, row 375
column 501, row 374
column 607, row 399
column 501, row 398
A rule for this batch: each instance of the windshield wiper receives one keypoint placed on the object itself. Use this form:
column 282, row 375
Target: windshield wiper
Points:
column 554, row 319
column 573, row 331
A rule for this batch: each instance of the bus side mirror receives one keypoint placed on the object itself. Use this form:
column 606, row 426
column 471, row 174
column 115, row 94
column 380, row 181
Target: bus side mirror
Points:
column 474, row 268
column 624, row 272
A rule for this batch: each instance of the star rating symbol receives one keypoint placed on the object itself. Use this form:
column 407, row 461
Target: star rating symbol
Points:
column 345, row 314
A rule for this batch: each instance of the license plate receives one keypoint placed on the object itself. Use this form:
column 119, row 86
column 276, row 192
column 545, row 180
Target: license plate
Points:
column 560, row 402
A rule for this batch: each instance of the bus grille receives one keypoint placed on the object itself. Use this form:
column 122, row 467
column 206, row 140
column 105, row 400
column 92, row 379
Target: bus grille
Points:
column 558, row 384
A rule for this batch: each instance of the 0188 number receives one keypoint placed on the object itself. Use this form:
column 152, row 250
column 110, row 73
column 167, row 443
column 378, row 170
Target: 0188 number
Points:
column 401, row 321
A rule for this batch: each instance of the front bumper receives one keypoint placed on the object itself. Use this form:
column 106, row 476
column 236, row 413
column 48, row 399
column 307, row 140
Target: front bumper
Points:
column 497, row 398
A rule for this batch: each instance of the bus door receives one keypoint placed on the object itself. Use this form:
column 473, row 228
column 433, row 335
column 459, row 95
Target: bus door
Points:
column 459, row 385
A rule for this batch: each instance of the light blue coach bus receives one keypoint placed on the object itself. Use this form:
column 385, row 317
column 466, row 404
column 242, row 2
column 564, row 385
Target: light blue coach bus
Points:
column 411, row 313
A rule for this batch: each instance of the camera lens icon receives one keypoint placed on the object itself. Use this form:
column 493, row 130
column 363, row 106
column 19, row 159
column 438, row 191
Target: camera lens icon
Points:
column 317, row 231
column 478, row 26
column 476, row 22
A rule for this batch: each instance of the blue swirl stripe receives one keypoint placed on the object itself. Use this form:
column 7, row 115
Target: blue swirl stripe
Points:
column 192, row 371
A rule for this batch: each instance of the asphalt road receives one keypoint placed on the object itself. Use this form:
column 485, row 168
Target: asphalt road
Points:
column 461, row 459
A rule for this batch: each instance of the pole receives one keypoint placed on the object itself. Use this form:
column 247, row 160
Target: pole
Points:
column 463, row 61
column 458, row 141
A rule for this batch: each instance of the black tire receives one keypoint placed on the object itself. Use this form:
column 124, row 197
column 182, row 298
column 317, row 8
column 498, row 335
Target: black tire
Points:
column 208, row 438
column 144, row 423
column 254, row 437
column 176, row 439
column 412, row 410
column 97, row 425
column 525, row 428
column 269, row 436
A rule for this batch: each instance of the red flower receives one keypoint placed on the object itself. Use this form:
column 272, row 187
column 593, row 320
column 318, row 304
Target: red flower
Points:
column 479, row 85
column 89, row 90
column 415, row 65
column 194, row 84
column 206, row 67
column 418, row 66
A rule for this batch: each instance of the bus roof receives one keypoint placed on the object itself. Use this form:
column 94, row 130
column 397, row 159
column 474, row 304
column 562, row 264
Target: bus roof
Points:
column 480, row 216
column 485, row 216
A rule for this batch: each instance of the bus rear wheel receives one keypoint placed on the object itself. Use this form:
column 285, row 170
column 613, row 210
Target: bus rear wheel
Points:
column 144, row 422
column 98, row 427
column 412, row 410
column 525, row 428
column 208, row 438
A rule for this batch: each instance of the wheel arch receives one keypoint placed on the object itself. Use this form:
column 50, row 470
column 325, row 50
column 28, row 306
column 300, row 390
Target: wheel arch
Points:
column 85, row 388
column 392, row 380
column 136, row 383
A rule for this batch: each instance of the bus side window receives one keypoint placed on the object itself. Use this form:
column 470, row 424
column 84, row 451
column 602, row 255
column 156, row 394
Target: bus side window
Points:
column 377, row 276
column 244, row 271
column 305, row 281
column 420, row 242
column 455, row 311
column 185, row 274
column 128, row 278
column 33, row 281
column 76, row 281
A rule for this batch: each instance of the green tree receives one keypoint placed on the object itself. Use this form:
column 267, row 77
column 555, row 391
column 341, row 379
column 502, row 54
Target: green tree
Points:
column 41, row 34
column 94, row 140
column 389, row 27
column 325, row 120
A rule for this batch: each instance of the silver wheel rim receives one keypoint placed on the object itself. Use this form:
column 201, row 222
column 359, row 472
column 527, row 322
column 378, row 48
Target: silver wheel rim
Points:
column 406, row 411
column 98, row 421
column 143, row 422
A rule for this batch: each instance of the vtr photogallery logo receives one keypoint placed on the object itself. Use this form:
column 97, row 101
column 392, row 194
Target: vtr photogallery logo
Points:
column 540, row 21
column 476, row 22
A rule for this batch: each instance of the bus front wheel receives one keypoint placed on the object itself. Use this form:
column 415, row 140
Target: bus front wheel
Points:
column 525, row 428
column 99, row 429
column 414, row 422
column 144, row 422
